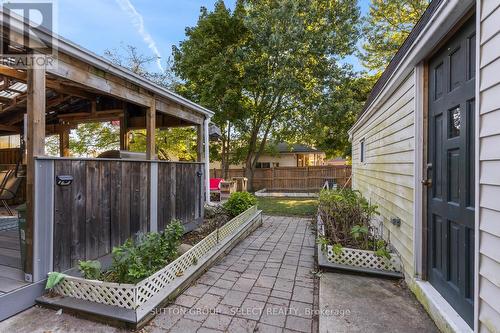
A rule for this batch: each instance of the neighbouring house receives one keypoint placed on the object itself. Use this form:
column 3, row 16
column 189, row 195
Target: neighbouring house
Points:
column 80, row 208
column 426, row 150
column 284, row 155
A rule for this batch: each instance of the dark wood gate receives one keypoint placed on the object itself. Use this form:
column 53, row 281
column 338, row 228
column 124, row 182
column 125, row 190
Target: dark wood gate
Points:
column 451, row 171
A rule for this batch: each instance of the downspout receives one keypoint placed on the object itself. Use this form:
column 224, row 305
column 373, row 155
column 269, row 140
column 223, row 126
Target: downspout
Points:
column 206, row 122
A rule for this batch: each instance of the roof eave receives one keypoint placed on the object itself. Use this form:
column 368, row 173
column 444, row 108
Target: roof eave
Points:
column 67, row 47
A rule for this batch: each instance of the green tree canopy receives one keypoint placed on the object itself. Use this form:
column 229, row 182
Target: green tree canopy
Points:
column 387, row 26
column 337, row 113
column 273, row 60
column 208, row 62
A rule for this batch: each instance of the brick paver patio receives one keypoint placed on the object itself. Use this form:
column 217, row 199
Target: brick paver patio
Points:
column 263, row 285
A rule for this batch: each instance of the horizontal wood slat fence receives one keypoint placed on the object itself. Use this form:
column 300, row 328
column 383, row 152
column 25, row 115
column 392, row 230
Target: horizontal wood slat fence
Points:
column 292, row 178
column 110, row 201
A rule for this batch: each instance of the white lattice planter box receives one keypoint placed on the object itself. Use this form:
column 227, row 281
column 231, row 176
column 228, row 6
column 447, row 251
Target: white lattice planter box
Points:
column 133, row 302
column 357, row 260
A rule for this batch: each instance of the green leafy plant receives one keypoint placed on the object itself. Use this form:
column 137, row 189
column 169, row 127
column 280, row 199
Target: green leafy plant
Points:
column 238, row 202
column 347, row 217
column 135, row 260
column 358, row 231
column 337, row 249
column 53, row 279
column 323, row 242
column 381, row 249
column 91, row 269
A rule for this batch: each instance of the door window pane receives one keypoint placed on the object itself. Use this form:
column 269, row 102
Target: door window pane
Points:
column 454, row 122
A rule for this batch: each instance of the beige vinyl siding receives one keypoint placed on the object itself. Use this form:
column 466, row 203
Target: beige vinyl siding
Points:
column 386, row 177
column 489, row 168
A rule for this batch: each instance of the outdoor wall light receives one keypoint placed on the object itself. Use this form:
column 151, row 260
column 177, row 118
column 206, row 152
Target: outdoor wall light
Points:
column 64, row 180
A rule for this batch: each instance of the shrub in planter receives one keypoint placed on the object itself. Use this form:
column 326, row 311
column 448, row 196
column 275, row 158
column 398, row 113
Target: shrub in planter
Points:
column 139, row 258
column 238, row 202
column 135, row 260
column 346, row 217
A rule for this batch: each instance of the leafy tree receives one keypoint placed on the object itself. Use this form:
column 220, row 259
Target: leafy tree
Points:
column 91, row 139
column 387, row 26
column 88, row 139
column 208, row 63
column 129, row 56
column 337, row 113
column 280, row 60
column 172, row 144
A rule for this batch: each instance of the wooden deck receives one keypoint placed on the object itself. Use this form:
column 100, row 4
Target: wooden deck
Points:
column 11, row 275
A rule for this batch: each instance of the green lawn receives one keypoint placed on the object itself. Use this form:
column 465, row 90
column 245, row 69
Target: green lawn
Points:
column 288, row 206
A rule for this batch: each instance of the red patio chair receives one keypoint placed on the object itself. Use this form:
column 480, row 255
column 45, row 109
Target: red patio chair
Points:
column 215, row 186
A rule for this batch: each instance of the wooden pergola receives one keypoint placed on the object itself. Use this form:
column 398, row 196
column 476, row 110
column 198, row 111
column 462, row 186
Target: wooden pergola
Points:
column 81, row 87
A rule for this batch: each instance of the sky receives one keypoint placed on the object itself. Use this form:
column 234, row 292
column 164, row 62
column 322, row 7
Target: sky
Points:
column 153, row 26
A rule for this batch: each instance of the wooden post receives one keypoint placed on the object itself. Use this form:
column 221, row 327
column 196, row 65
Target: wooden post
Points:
column 64, row 142
column 35, row 146
column 199, row 143
column 150, row 130
column 124, row 141
column 206, row 170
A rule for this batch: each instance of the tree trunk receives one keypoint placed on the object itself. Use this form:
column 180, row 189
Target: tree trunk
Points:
column 249, row 172
column 226, row 148
column 223, row 156
column 225, row 171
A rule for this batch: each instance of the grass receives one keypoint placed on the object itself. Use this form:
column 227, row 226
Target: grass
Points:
column 288, row 206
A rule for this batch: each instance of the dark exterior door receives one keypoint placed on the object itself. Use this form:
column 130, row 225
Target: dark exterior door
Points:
column 450, row 195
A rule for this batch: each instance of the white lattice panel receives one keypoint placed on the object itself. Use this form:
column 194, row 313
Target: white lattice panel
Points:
column 132, row 296
column 152, row 285
column 363, row 259
column 122, row 295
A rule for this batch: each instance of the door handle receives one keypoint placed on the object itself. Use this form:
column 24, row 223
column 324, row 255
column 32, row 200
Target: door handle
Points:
column 427, row 182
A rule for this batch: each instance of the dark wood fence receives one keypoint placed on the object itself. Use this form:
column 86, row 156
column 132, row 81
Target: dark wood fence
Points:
column 292, row 178
column 110, row 201
column 179, row 194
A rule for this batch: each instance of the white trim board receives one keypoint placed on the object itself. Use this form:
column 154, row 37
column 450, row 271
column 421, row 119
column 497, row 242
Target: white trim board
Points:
column 443, row 314
column 419, row 167
column 477, row 201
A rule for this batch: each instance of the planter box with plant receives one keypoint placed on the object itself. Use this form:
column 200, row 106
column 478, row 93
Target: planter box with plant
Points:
column 347, row 238
column 145, row 272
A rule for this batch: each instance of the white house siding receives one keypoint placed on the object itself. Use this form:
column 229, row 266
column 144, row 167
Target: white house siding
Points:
column 386, row 177
column 489, row 168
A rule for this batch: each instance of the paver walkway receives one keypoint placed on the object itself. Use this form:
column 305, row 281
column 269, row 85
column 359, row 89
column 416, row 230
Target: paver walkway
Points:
column 264, row 284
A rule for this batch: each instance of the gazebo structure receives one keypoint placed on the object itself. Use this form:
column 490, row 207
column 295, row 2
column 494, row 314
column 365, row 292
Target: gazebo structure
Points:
column 79, row 208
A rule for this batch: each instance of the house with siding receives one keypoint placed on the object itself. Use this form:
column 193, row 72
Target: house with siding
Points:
column 284, row 155
column 426, row 150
